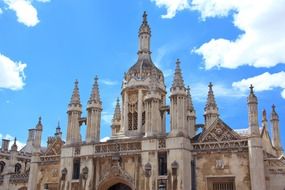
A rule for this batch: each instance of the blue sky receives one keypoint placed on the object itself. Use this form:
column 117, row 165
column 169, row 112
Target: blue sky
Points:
column 46, row 45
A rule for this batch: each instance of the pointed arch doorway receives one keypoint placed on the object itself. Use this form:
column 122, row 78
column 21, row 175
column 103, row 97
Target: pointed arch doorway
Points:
column 119, row 186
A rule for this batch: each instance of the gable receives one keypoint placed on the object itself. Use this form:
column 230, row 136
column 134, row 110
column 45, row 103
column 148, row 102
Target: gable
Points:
column 54, row 148
column 217, row 132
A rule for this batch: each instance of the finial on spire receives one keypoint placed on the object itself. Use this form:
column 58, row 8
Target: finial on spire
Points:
column 178, row 79
column 14, row 146
column 210, row 86
column 144, row 17
column 251, row 88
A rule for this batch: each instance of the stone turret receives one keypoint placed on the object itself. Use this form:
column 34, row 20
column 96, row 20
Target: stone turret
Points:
column 178, row 104
column 58, row 132
column 136, row 86
column 74, row 114
column 14, row 147
column 116, row 121
column 256, row 160
column 94, row 109
column 35, row 160
column 152, row 102
column 211, row 109
column 191, row 115
column 275, row 130
column 5, row 145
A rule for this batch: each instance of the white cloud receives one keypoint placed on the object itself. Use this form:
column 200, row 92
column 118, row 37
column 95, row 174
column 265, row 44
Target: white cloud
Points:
column 12, row 73
column 1, row 11
column 199, row 92
column 263, row 82
column 262, row 43
column 26, row 13
column 172, row 6
column 109, row 82
column 11, row 138
column 104, row 139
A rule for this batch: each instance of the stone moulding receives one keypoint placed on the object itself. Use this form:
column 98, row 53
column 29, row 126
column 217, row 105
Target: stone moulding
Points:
column 118, row 147
column 19, row 178
column 239, row 145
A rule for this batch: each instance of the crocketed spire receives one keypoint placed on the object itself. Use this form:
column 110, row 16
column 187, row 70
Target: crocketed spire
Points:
column 178, row 80
column 117, row 111
column 75, row 98
column 95, row 95
column 211, row 102
column 189, row 100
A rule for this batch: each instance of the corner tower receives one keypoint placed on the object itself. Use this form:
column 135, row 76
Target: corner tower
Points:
column 136, row 85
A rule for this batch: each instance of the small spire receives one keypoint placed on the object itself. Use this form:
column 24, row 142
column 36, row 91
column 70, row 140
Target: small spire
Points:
column 95, row 95
column 58, row 132
column 39, row 124
column 14, row 146
column 189, row 100
column 211, row 102
column 75, row 98
column 251, row 89
column 117, row 111
column 178, row 79
column 274, row 115
column 251, row 98
column 264, row 118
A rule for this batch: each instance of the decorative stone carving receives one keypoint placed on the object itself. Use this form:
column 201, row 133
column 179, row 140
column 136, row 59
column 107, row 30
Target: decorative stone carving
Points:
column 147, row 169
column 174, row 167
column 63, row 174
column 220, row 164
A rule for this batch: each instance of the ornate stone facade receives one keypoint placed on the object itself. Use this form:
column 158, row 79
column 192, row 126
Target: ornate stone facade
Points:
column 141, row 154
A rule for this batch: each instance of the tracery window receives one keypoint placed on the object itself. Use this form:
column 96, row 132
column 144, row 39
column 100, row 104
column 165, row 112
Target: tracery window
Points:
column 18, row 168
column 2, row 166
column 133, row 113
column 76, row 169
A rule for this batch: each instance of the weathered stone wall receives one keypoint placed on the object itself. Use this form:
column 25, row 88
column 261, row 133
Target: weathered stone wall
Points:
column 223, row 164
column 275, row 175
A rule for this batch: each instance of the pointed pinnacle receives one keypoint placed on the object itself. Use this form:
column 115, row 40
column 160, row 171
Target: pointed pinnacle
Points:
column 178, row 79
column 117, row 111
column 211, row 102
column 144, row 17
column 264, row 115
column 75, row 98
column 274, row 115
column 95, row 95
column 189, row 101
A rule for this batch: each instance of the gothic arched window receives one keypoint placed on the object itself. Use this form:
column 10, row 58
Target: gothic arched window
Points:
column 18, row 168
column 2, row 166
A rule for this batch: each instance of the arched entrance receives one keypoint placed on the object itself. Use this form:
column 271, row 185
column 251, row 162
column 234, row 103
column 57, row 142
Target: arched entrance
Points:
column 120, row 186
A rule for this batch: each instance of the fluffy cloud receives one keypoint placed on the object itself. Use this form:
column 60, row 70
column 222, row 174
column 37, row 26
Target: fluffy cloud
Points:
column 26, row 13
column 104, row 139
column 107, row 118
column 172, row 6
column 263, row 39
column 12, row 73
column 263, row 82
column 1, row 11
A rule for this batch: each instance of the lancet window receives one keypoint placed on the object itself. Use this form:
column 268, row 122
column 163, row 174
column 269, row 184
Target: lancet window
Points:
column 133, row 113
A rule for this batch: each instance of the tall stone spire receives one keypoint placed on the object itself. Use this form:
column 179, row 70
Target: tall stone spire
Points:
column 144, row 36
column 95, row 95
column 74, row 114
column 94, row 109
column 275, row 130
column 75, row 98
column 211, row 108
column 178, row 80
column 116, row 121
column 255, row 149
column 178, row 104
